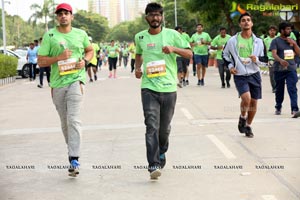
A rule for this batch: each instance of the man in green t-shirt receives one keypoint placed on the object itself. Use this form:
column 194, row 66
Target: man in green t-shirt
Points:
column 156, row 50
column 92, row 65
column 132, row 52
column 200, row 41
column 67, row 50
column 218, row 44
column 267, row 41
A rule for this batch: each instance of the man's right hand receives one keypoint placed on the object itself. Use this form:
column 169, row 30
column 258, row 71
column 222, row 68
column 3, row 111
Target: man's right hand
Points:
column 66, row 54
column 284, row 63
column 233, row 70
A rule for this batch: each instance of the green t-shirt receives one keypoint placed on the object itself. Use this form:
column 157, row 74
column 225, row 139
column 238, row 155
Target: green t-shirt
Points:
column 96, row 49
column 132, row 51
column 245, row 46
column 150, row 47
column 125, row 52
column 54, row 43
column 112, row 52
column 267, row 42
column 200, row 49
column 186, row 37
column 220, row 41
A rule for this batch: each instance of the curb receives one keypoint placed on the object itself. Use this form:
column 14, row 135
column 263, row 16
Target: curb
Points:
column 8, row 80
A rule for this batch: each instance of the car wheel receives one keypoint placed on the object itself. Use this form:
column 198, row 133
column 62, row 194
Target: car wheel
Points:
column 25, row 71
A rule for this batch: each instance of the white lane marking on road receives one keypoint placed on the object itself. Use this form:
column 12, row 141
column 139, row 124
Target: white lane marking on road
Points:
column 187, row 114
column 269, row 197
column 228, row 154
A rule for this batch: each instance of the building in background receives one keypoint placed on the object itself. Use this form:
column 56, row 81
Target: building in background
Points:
column 117, row 11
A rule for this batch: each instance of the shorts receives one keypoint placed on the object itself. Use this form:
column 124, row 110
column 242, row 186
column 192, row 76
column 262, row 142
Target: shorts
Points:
column 201, row 59
column 181, row 64
column 250, row 83
column 91, row 65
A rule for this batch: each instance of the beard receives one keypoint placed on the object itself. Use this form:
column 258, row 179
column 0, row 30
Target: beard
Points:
column 154, row 23
column 287, row 34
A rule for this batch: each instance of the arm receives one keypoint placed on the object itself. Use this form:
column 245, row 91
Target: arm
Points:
column 186, row 53
column 282, row 62
column 138, row 65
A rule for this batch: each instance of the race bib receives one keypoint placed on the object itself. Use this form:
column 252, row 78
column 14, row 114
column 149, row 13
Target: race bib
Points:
column 67, row 66
column 156, row 69
column 246, row 61
column 112, row 53
column 288, row 54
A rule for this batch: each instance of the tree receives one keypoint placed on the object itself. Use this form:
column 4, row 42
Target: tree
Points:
column 215, row 9
column 95, row 25
column 42, row 13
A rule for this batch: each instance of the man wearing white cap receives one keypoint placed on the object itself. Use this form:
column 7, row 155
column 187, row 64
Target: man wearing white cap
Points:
column 67, row 50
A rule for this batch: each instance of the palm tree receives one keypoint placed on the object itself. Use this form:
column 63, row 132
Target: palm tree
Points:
column 42, row 12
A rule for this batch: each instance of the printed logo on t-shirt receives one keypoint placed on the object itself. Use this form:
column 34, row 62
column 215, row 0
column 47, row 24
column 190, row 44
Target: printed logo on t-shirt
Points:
column 151, row 46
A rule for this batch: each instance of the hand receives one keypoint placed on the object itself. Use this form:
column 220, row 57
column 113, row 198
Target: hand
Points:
column 233, row 70
column 284, row 63
column 253, row 58
column 66, row 54
column 80, row 64
column 291, row 41
column 168, row 49
column 138, row 73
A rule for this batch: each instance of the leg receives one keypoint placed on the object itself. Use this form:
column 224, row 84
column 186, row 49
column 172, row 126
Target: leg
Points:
column 151, row 108
column 48, row 70
column 166, row 114
column 74, row 98
column 280, row 84
column 251, row 111
column 132, row 64
column 245, row 103
column 291, row 82
column 34, row 71
column 221, row 72
column 42, row 69
column 30, row 71
column 272, row 80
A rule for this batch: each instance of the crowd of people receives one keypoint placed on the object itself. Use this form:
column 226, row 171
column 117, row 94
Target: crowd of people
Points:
column 160, row 57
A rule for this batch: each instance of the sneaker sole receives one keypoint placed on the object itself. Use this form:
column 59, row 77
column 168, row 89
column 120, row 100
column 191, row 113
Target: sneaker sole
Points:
column 155, row 174
column 296, row 115
column 74, row 173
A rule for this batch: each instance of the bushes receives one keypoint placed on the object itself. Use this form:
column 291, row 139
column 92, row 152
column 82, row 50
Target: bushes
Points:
column 8, row 66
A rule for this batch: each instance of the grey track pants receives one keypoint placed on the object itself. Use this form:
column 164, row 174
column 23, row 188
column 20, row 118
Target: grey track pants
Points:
column 68, row 101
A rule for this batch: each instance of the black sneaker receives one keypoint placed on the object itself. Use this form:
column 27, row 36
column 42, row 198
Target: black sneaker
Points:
column 202, row 82
column 91, row 80
column 228, row 85
column 199, row 82
column 223, row 85
column 295, row 114
column 187, row 82
column 277, row 112
column 162, row 158
column 95, row 77
column 40, row 86
column 242, row 125
column 249, row 132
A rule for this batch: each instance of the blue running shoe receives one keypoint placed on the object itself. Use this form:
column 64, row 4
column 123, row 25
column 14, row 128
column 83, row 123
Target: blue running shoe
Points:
column 74, row 168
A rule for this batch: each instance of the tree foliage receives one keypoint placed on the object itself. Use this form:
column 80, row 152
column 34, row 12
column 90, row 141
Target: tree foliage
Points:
column 42, row 13
column 95, row 25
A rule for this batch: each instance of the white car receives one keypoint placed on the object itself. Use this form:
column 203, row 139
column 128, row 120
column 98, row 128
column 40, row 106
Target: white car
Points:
column 22, row 68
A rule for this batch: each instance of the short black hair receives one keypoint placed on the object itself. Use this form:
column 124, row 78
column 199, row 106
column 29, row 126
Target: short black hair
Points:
column 36, row 41
column 272, row 27
column 199, row 25
column 154, row 7
column 178, row 28
column 244, row 14
column 222, row 28
column 283, row 25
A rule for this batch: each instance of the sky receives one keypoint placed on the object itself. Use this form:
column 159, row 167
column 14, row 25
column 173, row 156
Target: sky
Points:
column 22, row 7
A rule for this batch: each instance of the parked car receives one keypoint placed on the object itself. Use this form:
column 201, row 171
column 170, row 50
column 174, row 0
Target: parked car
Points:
column 22, row 68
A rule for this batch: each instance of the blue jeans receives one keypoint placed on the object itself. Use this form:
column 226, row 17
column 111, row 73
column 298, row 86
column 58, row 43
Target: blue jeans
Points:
column 291, row 79
column 158, row 112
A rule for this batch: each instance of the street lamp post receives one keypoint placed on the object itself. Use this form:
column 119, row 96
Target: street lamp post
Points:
column 3, row 28
column 175, row 12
